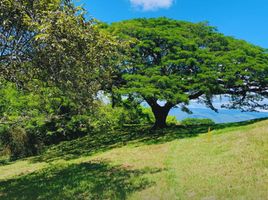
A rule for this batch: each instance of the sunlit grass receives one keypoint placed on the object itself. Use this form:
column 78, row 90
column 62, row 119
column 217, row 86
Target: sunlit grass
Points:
column 232, row 163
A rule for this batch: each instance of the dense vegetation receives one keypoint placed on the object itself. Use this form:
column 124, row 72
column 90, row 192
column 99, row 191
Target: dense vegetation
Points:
column 57, row 67
column 53, row 63
column 51, row 41
column 30, row 121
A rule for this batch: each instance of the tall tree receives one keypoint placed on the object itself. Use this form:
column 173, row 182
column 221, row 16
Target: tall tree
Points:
column 52, row 41
column 175, row 61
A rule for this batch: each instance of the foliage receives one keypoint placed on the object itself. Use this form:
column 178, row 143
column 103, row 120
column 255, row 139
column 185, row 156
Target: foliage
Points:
column 61, row 60
column 197, row 122
column 176, row 61
column 48, row 117
column 38, row 119
column 108, row 118
column 51, row 40
column 20, row 143
column 172, row 120
column 111, row 118
column 21, row 121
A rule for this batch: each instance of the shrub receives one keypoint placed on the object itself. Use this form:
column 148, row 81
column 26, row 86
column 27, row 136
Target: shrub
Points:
column 196, row 122
column 3, row 129
column 78, row 125
column 135, row 113
column 19, row 143
column 148, row 116
column 172, row 120
column 36, row 118
column 108, row 118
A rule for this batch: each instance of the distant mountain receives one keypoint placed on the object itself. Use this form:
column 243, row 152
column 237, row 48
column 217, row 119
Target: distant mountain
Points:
column 222, row 116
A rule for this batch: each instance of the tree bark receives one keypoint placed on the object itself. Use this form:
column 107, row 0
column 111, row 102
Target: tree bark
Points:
column 160, row 113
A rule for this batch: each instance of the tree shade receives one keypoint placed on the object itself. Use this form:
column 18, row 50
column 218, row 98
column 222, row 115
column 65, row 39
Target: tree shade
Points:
column 176, row 61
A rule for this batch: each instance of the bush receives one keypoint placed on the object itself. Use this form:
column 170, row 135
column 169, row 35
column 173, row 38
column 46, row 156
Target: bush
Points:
column 28, row 120
column 172, row 120
column 19, row 143
column 78, row 125
column 196, row 122
column 135, row 113
column 3, row 129
column 66, row 127
column 108, row 118
column 148, row 116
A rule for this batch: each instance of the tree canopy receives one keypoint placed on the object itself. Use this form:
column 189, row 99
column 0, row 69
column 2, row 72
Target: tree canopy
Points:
column 53, row 62
column 52, row 41
column 175, row 62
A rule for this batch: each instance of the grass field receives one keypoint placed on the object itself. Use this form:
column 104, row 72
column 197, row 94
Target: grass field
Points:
column 134, row 163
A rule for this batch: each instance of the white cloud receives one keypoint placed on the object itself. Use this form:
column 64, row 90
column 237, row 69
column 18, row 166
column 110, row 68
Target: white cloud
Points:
column 148, row 5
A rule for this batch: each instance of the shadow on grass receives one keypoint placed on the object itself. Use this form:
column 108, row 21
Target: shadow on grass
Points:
column 4, row 161
column 92, row 180
column 101, row 142
column 137, row 135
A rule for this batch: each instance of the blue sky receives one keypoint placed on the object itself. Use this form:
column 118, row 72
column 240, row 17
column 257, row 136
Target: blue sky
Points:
column 243, row 19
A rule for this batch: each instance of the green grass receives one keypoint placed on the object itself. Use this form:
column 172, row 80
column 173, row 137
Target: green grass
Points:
column 135, row 163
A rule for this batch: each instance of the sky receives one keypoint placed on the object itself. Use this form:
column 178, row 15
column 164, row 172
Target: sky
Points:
column 242, row 19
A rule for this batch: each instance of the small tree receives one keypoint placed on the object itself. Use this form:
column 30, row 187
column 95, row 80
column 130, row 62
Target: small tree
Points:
column 175, row 62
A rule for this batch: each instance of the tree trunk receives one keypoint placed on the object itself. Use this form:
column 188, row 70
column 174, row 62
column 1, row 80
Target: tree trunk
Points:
column 160, row 114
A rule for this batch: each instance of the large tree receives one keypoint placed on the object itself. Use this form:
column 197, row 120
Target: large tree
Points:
column 52, row 41
column 174, row 62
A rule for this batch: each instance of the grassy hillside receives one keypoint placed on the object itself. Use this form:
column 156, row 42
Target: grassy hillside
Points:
column 134, row 163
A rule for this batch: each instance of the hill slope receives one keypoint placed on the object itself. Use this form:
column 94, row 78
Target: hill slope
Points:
column 179, row 163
